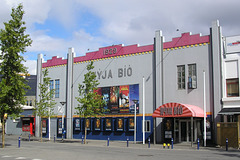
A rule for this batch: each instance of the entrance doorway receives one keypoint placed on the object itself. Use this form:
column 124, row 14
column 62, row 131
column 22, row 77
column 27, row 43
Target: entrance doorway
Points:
column 28, row 125
column 184, row 131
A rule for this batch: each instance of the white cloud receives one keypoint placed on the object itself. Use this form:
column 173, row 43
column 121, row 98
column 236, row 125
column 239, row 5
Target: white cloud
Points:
column 81, row 41
column 43, row 42
column 136, row 20
column 5, row 11
column 84, row 42
column 121, row 21
column 31, row 65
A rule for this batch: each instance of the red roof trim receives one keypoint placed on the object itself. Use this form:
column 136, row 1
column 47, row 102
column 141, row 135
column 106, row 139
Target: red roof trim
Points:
column 186, row 39
column 54, row 62
column 119, row 50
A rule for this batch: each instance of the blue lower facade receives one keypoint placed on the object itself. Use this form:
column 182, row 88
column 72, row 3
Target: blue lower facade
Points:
column 114, row 128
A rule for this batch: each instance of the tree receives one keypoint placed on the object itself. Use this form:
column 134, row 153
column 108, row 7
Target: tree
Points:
column 44, row 108
column 13, row 43
column 91, row 103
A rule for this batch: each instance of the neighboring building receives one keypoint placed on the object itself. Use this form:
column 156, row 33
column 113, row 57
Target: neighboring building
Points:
column 166, row 79
column 231, row 97
column 230, row 113
column 25, row 124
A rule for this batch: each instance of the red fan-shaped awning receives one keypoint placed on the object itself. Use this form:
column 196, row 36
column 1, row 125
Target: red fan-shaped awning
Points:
column 178, row 110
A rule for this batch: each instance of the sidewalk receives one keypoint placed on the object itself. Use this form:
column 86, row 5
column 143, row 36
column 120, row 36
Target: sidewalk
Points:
column 121, row 144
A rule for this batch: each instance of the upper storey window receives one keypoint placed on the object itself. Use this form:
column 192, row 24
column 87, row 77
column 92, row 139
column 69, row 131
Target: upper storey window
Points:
column 232, row 78
column 181, row 77
column 232, row 87
column 192, row 76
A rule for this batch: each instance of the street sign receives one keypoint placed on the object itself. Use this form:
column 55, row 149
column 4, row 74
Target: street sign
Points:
column 60, row 109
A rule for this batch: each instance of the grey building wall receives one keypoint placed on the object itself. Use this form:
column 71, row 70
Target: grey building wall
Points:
column 158, row 83
column 198, row 55
column 140, row 65
column 59, row 73
column 39, row 80
column 13, row 127
column 217, row 51
column 53, row 127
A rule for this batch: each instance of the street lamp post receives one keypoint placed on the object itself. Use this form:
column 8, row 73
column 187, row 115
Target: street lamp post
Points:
column 135, row 120
column 62, row 103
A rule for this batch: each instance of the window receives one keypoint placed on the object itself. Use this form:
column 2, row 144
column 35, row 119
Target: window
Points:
column 51, row 85
column 30, row 103
column 147, row 126
column 232, row 87
column 181, row 77
column 192, row 76
column 16, row 120
column 57, row 85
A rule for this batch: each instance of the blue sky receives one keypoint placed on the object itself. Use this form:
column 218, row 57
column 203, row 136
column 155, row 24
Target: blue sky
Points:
column 56, row 25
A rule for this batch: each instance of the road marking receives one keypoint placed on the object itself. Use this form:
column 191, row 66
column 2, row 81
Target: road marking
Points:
column 20, row 158
column 6, row 156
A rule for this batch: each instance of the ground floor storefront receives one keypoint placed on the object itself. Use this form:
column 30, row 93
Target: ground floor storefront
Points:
column 183, row 123
column 229, row 127
column 101, row 128
column 22, row 125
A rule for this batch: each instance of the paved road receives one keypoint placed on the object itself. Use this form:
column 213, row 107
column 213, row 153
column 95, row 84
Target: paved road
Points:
column 97, row 150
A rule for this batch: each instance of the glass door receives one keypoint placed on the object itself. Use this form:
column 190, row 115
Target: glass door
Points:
column 184, row 131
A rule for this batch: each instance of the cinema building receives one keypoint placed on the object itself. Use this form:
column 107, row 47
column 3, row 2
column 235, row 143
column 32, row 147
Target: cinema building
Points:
column 168, row 82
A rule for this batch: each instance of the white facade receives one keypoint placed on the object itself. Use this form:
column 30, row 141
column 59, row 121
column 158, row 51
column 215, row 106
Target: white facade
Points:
column 230, row 74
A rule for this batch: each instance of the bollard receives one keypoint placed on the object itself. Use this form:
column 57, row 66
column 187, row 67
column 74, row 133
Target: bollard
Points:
column 168, row 145
column 82, row 140
column 198, row 143
column 29, row 137
column 127, row 142
column 172, row 143
column 164, row 144
column 54, row 138
column 62, row 133
column 108, row 141
column 226, row 144
column 148, row 142
column 19, row 142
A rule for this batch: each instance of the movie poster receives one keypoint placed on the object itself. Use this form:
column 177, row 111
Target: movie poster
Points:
column 124, row 99
column 97, row 125
column 88, row 123
column 120, row 124
column 119, row 99
column 114, row 95
column 131, row 124
column 59, row 126
column 106, row 97
column 208, row 127
column 44, row 126
column 77, row 124
column 134, row 95
column 108, row 124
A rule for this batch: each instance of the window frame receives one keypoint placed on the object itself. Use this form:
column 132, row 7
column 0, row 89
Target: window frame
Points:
column 232, row 82
column 192, row 76
column 57, row 88
column 181, row 75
